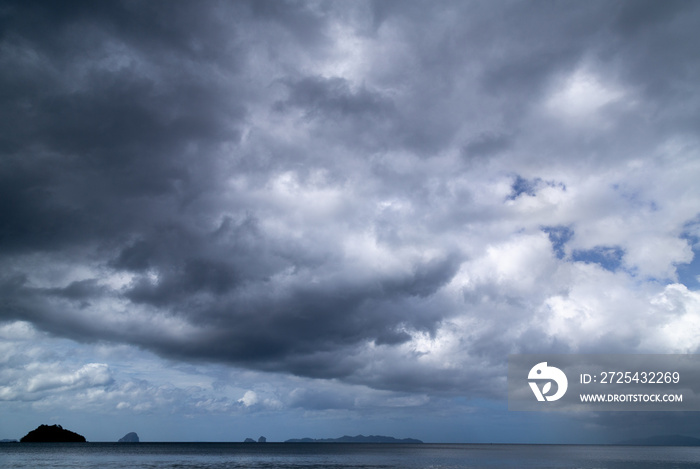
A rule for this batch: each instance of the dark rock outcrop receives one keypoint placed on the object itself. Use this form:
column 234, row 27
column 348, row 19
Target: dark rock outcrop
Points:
column 262, row 439
column 52, row 434
column 129, row 438
column 249, row 440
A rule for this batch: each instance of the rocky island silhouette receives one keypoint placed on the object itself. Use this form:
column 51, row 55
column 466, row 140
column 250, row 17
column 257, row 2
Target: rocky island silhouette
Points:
column 357, row 439
column 58, row 434
column 52, row 434
column 131, row 437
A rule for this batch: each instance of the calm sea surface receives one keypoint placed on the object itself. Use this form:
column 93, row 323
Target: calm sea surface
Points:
column 340, row 456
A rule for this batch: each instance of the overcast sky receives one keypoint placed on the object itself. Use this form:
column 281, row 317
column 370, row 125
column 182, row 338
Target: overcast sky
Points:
column 222, row 220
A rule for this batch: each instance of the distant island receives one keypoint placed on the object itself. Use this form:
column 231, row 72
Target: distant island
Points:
column 662, row 440
column 131, row 437
column 356, row 439
column 52, row 434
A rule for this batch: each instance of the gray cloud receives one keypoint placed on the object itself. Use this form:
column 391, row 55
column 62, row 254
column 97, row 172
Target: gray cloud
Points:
column 333, row 96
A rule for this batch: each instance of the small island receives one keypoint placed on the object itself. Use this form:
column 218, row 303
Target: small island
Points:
column 357, row 439
column 52, row 434
column 131, row 437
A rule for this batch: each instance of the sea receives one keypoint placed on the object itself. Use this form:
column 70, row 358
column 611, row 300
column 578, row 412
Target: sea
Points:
column 341, row 456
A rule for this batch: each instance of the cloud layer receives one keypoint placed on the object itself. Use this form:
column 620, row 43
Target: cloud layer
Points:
column 393, row 195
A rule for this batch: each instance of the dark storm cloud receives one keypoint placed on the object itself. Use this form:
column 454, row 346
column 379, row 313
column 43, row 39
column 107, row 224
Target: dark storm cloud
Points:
column 304, row 329
column 88, row 132
column 200, row 178
column 323, row 97
column 655, row 42
column 306, row 25
column 486, row 144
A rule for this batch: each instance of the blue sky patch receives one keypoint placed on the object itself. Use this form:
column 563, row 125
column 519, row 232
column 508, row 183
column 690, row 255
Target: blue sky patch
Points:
column 608, row 257
column 523, row 186
column 688, row 274
column 529, row 187
column 558, row 236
